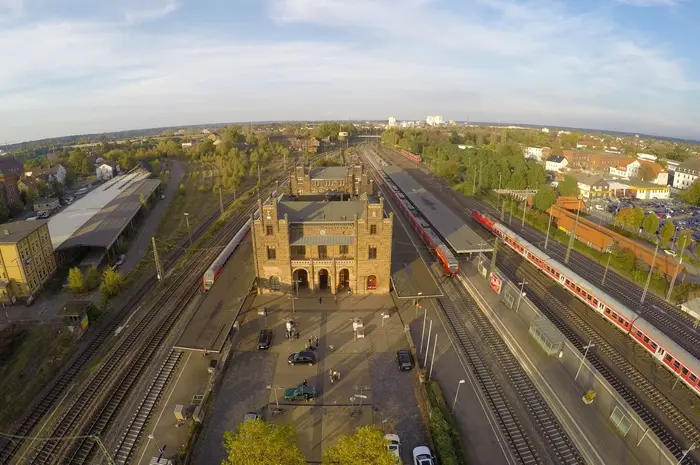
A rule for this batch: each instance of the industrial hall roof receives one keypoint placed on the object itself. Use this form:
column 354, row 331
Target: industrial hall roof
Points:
column 99, row 218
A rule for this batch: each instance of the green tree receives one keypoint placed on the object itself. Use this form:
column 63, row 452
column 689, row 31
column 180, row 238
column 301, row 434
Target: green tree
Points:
column 181, row 189
column 646, row 172
column 112, row 283
column 42, row 188
column 155, row 166
column 637, row 217
column 76, row 280
column 366, row 445
column 4, row 213
column 568, row 186
column 691, row 195
column 143, row 202
column 625, row 216
column 666, row 232
column 258, row 443
column 92, row 279
column 685, row 239
column 16, row 208
column 544, row 198
column 651, row 223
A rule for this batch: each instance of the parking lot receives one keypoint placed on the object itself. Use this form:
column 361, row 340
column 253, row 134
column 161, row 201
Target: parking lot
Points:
column 371, row 389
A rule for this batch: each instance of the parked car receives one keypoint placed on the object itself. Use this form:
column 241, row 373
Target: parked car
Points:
column 43, row 215
column 32, row 218
column 670, row 253
column 394, row 445
column 423, row 456
column 70, row 200
column 297, row 358
column 120, row 260
column 404, row 358
column 250, row 416
column 212, row 366
column 81, row 191
column 599, row 207
column 300, row 392
column 264, row 339
column 162, row 196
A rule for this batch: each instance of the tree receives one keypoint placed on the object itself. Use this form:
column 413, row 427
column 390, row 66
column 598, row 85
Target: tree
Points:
column 637, row 217
column 646, row 172
column 544, row 198
column 667, row 231
column 626, row 216
column 76, row 281
column 365, row 445
column 112, row 283
column 568, row 186
column 16, row 208
column 258, row 443
column 4, row 213
column 143, row 202
column 651, row 223
column 691, row 195
column 685, row 239
column 92, row 279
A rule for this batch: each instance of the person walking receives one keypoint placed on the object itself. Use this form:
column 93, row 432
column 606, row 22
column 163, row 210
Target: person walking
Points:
column 316, row 341
column 331, row 376
column 336, row 375
column 305, row 383
column 320, row 300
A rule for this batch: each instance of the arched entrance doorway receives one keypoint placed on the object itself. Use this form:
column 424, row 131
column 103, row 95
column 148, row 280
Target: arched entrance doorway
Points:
column 344, row 279
column 371, row 282
column 301, row 278
column 323, row 281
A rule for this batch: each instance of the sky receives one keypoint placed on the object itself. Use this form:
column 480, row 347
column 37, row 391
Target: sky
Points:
column 89, row 66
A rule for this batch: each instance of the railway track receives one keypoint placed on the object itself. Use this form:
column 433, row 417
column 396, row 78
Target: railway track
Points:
column 503, row 382
column 560, row 314
column 674, row 323
column 8, row 449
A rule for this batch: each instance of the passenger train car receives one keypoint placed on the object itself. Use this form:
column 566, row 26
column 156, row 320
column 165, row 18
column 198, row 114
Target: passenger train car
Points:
column 676, row 359
column 413, row 157
column 444, row 255
column 217, row 266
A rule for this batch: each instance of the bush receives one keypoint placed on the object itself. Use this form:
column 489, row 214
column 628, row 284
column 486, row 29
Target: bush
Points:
column 444, row 435
column 92, row 279
column 181, row 190
column 112, row 283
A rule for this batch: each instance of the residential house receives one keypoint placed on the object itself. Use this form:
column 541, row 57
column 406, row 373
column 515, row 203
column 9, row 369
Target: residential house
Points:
column 186, row 145
column 10, row 172
column 107, row 170
column 538, row 153
column 686, row 173
column 46, row 204
column 646, row 156
column 556, row 164
column 49, row 174
column 630, row 170
column 592, row 186
column 313, row 145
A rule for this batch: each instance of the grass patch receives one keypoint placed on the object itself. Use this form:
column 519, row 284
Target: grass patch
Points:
column 442, row 430
column 31, row 365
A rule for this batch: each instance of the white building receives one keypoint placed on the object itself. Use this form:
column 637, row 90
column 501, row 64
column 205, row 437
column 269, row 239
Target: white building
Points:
column 631, row 170
column 107, row 171
column 434, row 120
column 556, row 164
column 646, row 156
column 686, row 173
column 545, row 130
column 650, row 191
column 392, row 121
column 538, row 153
column 592, row 186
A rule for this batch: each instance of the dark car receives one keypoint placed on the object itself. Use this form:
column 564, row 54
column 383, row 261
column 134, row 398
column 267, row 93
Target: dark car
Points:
column 300, row 393
column 404, row 359
column 308, row 358
column 264, row 339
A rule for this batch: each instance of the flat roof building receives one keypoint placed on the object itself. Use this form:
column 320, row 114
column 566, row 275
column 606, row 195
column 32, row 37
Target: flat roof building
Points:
column 323, row 246
column 26, row 259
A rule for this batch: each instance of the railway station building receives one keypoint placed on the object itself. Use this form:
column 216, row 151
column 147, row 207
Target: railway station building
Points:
column 352, row 180
column 312, row 245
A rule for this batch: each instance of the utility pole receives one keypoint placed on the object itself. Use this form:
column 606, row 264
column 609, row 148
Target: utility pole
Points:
column 493, row 254
column 510, row 220
column 573, row 234
column 678, row 267
column 651, row 270
column 524, row 210
column 607, row 265
column 549, row 226
column 503, row 209
column 258, row 186
column 156, row 258
column 221, row 201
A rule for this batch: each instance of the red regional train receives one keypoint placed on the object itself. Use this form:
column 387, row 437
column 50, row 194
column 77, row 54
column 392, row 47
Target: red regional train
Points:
column 444, row 255
column 676, row 359
column 217, row 266
column 411, row 156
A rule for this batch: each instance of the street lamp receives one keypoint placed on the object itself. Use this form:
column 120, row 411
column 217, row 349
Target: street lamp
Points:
column 522, row 294
column 585, row 354
column 187, row 220
column 454, row 402
column 651, row 270
column 275, row 388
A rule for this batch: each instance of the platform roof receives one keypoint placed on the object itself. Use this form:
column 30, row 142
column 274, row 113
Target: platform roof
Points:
column 100, row 217
column 458, row 235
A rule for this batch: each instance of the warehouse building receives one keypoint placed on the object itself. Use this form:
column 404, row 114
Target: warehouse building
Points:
column 318, row 246
column 26, row 259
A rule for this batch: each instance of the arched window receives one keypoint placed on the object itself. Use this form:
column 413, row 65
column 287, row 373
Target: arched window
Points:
column 274, row 283
column 371, row 282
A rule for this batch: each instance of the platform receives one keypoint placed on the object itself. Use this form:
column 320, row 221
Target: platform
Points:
column 460, row 237
column 209, row 327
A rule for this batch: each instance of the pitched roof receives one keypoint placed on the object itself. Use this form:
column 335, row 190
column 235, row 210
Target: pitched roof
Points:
column 690, row 164
column 329, row 172
column 654, row 166
column 301, row 210
column 590, row 179
column 556, row 159
column 9, row 164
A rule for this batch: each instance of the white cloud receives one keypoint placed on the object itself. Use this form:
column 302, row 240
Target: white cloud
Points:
column 529, row 61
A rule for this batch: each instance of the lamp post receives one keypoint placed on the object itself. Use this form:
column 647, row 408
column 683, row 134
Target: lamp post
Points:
column 607, row 265
column 651, row 270
column 573, row 233
column 585, row 354
column 549, row 226
column 275, row 388
column 522, row 294
column 454, row 402
column 187, row 220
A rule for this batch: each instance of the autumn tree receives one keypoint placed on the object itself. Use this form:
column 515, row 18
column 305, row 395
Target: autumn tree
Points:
column 76, row 280
column 685, row 239
column 112, row 283
column 637, row 217
column 544, row 198
column 258, row 443
column 365, row 445
column 625, row 216
column 568, row 186
column 666, row 232
column 92, row 279
column 650, row 223
column 646, row 172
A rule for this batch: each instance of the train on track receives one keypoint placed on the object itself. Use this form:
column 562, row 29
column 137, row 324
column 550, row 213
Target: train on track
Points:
column 447, row 260
column 217, row 266
column 413, row 157
column 676, row 359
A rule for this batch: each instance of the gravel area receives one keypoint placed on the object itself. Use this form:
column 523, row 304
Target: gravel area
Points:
column 243, row 390
column 394, row 400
